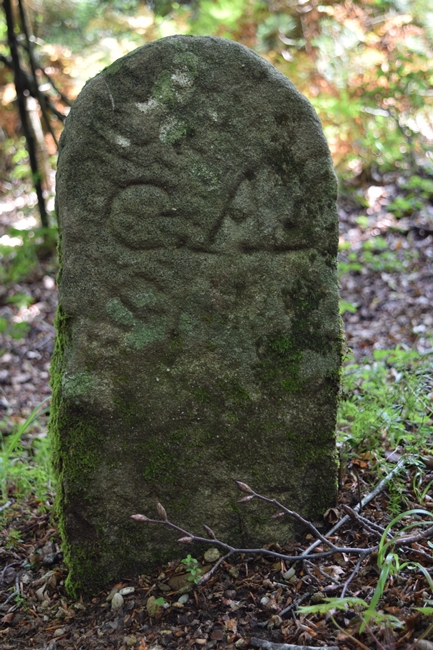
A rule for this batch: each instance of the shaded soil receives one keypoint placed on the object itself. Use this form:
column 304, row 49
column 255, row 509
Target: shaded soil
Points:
column 252, row 598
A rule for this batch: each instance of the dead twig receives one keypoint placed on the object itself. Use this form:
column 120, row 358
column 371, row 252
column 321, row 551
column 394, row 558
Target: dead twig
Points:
column 189, row 538
column 284, row 510
column 377, row 530
column 369, row 497
column 270, row 645
column 205, row 577
column 298, row 602
column 351, row 577
column 325, row 575
column 21, row 99
column 369, row 526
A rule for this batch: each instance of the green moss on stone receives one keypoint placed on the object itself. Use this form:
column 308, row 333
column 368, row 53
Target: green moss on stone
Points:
column 143, row 334
column 78, row 385
column 281, row 364
column 172, row 132
column 187, row 60
column 232, row 390
column 119, row 313
column 163, row 90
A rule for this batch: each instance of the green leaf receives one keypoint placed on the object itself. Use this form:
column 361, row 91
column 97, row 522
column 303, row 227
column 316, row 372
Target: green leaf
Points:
column 333, row 603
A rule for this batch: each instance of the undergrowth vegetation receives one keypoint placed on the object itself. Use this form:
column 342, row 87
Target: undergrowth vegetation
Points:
column 25, row 464
column 386, row 410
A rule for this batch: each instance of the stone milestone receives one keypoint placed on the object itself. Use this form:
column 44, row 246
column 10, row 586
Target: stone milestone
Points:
column 198, row 335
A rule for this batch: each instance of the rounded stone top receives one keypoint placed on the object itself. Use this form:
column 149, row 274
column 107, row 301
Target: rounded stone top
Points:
column 186, row 132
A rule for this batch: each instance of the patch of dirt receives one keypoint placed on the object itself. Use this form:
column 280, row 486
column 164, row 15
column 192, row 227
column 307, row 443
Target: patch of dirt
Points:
column 392, row 291
column 252, row 597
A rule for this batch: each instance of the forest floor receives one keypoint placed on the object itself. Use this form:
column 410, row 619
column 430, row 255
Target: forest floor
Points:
column 387, row 293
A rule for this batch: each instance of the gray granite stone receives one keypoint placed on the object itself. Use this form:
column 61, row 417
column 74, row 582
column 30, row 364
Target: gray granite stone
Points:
column 198, row 328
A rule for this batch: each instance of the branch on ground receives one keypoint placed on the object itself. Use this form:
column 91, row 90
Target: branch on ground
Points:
column 307, row 555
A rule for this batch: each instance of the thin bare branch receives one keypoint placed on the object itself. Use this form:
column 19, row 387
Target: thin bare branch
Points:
column 406, row 460
column 5, row 505
column 212, row 571
column 298, row 517
column 256, row 551
column 369, row 526
column 307, row 556
column 352, row 576
column 323, row 573
column 411, row 539
column 270, row 645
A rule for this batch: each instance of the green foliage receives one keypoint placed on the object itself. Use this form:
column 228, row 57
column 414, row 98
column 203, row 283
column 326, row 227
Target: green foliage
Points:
column 274, row 26
column 20, row 299
column 18, row 599
column 375, row 255
column 24, row 466
column 192, row 567
column 351, row 307
column 389, row 563
column 386, row 406
column 13, row 538
column 21, row 162
column 417, row 481
column 19, row 255
column 365, row 66
column 390, row 566
column 16, row 331
column 80, row 23
column 357, row 605
column 418, row 192
column 217, row 17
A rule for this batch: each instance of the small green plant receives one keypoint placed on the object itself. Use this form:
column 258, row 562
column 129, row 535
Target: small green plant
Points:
column 27, row 469
column 397, row 500
column 389, row 565
column 427, row 610
column 418, row 191
column 363, row 221
column 357, row 605
column 418, row 491
column 374, row 254
column 13, row 538
column 17, row 597
column 403, row 206
column 351, row 307
column 19, row 257
column 192, row 567
column 20, row 300
column 16, row 331
column 385, row 404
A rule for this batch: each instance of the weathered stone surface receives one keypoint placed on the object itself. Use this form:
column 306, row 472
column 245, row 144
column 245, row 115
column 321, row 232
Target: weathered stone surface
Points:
column 198, row 332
